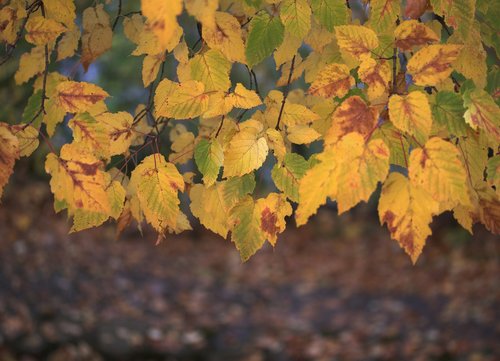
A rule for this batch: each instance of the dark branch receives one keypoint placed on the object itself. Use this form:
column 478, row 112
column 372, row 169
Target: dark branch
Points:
column 118, row 15
column 220, row 126
column 285, row 94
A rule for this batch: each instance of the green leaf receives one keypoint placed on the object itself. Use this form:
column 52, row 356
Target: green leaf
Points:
column 483, row 113
column 296, row 17
column 254, row 3
column 448, row 111
column 286, row 177
column 246, row 233
column 212, row 69
column 330, row 13
column 32, row 108
column 266, row 34
column 209, row 157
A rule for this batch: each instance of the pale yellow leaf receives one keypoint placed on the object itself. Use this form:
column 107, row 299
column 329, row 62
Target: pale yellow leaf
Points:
column 247, row 150
column 408, row 210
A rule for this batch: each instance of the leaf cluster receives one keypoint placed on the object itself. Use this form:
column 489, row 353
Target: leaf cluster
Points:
column 404, row 95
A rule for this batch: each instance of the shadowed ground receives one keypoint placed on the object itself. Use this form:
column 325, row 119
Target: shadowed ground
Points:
column 337, row 289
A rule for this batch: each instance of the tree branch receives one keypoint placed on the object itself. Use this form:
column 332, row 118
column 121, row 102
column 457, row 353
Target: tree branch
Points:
column 285, row 94
column 118, row 15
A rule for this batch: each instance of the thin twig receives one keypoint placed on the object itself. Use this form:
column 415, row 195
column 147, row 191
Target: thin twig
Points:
column 394, row 70
column 441, row 20
column 285, row 94
column 250, row 76
column 255, row 80
column 220, row 126
column 118, row 15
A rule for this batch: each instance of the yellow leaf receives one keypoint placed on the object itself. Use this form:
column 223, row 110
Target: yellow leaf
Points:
column 11, row 17
column 150, row 67
column 90, row 134
column 293, row 114
column 118, row 129
column 212, row 204
column 31, row 64
column 28, row 139
column 54, row 114
column 348, row 172
column 181, row 225
column 62, row 11
column 333, row 80
column 319, row 38
column 180, row 100
column 472, row 59
column 482, row 112
column 276, row 143
column 83, row 219
column 272, row 211
column 247, row 150
column 244, row 98
column 356, row 40
column 377, row 75
column 432, row 64
column 68, row 44
column 133, row 27
column 493, row 171
column 219, row 103
column 412, row 114
column 287, row 49
column 78, row 97
column 182, row 148
column 438, row 169
column 225, row 36
column 9, row 152
column 353, row 115
column 254, row 222
column 474, row 154
column 296, row 17
column 411, row 33
column 97, row 34
column 489, row 209
column 316, row 186
column 325, row 111
column 203, row 11
column 212, row 69
column 181, row 52
column 398, row 145
column 156, row 183
column 360, row 167
column 162, row 18
column 78, row 179
column 41, row 31
column 408, row 210
column 302, row 134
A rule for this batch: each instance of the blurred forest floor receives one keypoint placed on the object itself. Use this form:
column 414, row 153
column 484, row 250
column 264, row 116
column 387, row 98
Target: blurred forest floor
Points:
column 337, row 289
